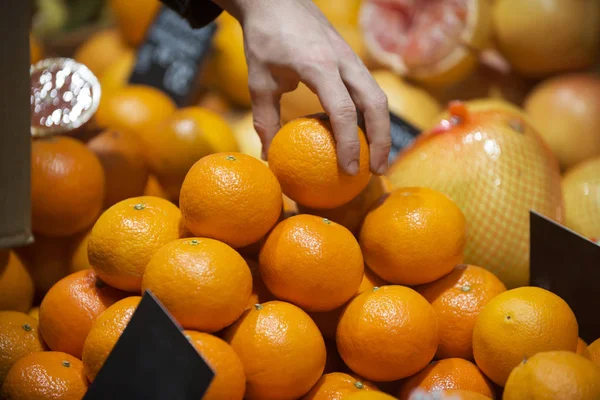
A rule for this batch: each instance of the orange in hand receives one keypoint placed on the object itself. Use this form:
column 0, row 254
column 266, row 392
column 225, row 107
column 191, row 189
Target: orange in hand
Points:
column 387, row 333
column 45, row 375
column 448, row 374
column 231, row 197
column 311, row 262
column 127, row 235
column 457, row 299
column 281, row 348
column 70, row 308
column 413, row 236
column 204, row 283
column 303, row 158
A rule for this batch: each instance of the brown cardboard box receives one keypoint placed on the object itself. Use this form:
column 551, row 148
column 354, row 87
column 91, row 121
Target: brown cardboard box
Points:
column 15, row 148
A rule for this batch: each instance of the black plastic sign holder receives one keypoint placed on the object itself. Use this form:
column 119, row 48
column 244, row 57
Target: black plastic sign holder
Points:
column 403, row 135
column 568, row 265
column 152, row 360
column 172, row 56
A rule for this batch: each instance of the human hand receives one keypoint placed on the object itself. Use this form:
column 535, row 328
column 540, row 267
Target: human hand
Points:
column 288, row 41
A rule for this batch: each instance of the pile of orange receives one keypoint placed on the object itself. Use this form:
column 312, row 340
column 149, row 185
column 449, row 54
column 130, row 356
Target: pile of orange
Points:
column 379, row 305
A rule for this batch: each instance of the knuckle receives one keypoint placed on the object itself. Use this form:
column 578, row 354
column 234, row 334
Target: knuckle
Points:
column 350, row 145
column 344, row 109
column 378, row 101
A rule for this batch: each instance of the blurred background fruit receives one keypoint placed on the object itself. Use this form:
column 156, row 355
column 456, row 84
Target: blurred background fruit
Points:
column 16, row 285
column 581, row 191
column 35, row 50
column 101, row 50
column 67, row 186
column 122, row 159
column 133, row 18
column 173, row 146
column 563, row 36
column 116, row 75
column 247, row 139
column 494, row 165
column 437, row 45
column 566, row 112
column 79, row 252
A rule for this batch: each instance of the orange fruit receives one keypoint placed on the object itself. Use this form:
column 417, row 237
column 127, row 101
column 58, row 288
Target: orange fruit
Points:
column 451, row 373
column 517, row 324
column 415, row 236
column 279, row 363
column 204, row 283
column 116, row 75
column 153, row 188
column 566, row 111
column 101, row 50
column 134, row 108
column 292, row 258
column 127, row 235
column 260, row 294
column 67, row 186
column 387, row 333
column 458, row 394
column 16, row 285
column 456, row 158
column 298, row 103
column 593, row 351
column 369, row 395
column 47, row 261
column 34, row 312
column 229, row 382
column 70, row 308
column 124, row 168
column 457, row 299
column 581, row 346
column 328, row 321
column 215, row 102
column 556, row 375
column 105, row 333
column 134, row 17
column 46, row 375
column 20, row 336
column 36, row 51
column 303, row 158
column 231, row 197
column 352, row 214
column 565, row 35
column 437, row 43
column 581, row 192
column 247, row 139
column 79, row 252
column 336, row 386
column 180, row 140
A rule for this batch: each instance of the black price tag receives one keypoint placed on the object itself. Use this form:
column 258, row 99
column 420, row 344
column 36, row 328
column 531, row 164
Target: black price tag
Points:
column 403, row 134
column 152, row 360
column 568, row 265
column 172, row 55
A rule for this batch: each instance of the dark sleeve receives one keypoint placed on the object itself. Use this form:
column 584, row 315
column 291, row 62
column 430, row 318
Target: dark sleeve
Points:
column 197, row 12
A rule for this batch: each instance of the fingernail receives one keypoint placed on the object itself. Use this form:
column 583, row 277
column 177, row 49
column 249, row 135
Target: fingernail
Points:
column 382, row 168
column 353, row 167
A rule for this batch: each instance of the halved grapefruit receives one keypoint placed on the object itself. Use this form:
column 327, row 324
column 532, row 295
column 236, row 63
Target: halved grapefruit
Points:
column 436, row 42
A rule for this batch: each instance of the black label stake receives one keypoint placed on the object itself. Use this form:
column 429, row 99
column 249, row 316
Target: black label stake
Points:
column 568, row 265
column 403, row 135
column 172, row 55
column 152, row 360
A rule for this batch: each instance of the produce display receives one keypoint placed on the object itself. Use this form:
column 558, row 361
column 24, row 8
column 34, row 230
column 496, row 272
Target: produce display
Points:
column 292, row 279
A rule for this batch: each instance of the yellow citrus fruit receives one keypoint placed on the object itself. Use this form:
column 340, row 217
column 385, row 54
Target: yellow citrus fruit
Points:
column 414, row 236
column 303, row 158
column 116, row 75
column 180, row 140
column 247, row 139
column 133, row 17
column 34, row 312
column 565, row 34
column 516, row 325
column 127, row 235
column 556, row 375
column 566, row 112
column 79, row 252
column 438, row 44
column 581, row 193
column 231, row 197
column 593, row 351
